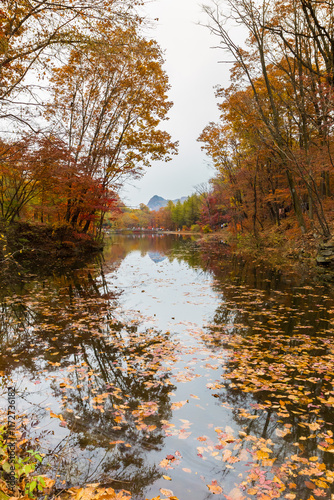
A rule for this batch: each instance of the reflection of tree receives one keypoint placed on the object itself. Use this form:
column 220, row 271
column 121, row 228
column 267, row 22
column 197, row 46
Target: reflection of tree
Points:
column 109, row 375
column 113, row 417
column 275, row 332
column 119, row 245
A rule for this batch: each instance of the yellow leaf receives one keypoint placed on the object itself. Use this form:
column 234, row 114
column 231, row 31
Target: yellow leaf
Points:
column 54, row 415
column 261, row 454
column 252, row 491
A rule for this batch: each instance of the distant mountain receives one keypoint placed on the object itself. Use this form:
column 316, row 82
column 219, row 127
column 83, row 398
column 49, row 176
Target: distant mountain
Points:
column 157, row 202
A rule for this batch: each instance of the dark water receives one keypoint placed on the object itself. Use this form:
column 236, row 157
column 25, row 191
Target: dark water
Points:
column 166, row 359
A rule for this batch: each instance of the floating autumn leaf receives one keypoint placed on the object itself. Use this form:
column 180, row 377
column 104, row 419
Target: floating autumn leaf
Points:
column 167, row 493
column 167, row 478
column 215, row 488
column 194, row 396
column 178, row 404
column 93, row 492
column 54, row 415
column 282, row 433
column 310, row 485
column 236, row 494
column 184, row 435
column 165, row 464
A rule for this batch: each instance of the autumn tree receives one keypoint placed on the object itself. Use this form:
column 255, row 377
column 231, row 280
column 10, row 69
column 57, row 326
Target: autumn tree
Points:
column 27, row 172
column 107, row 102
column 278, row 74
column 32, row 33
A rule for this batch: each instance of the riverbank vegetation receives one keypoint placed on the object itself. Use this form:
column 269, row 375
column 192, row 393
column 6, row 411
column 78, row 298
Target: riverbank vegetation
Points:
column 273, row 145
column 81, row 98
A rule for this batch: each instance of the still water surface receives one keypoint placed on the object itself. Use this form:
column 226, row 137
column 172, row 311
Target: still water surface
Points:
column 122, row 372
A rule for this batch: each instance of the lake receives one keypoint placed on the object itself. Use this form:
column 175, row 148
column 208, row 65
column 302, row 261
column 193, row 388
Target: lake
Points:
column 171, row 368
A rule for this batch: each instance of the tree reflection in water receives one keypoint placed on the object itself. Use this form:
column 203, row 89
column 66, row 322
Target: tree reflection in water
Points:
column 106, row 381
column 106, row 378
column 278, row 378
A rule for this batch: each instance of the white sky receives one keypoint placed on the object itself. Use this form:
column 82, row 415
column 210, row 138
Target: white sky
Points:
column 193, row 70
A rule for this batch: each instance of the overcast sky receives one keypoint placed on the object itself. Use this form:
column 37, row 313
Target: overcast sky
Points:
column 193, row 70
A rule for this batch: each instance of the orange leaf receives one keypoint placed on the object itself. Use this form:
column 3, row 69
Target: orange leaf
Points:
column 167, row 493
column 215, row 488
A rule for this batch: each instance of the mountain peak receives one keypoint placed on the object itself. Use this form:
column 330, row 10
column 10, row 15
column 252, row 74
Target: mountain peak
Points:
column 157, row 202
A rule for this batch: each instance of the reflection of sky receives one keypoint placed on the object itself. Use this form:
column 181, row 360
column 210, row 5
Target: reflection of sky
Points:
column 174, row 297
column 177, row 300
column 172, row 293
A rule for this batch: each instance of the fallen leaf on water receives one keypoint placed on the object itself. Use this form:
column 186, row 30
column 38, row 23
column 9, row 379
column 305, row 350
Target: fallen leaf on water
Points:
column 178, row 404
column 167, row 478
column 236, row 494
column 282, row 433
column 167, row 493
column 215, row 488
column 54, row 415
column 184, row 435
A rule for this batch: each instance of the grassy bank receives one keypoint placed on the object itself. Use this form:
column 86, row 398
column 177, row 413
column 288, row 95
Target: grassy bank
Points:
column 280, row 248
column 25, row 244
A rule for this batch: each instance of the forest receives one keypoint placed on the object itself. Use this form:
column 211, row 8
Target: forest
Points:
column 273, row 146
column 82, row 94
column 167, row 366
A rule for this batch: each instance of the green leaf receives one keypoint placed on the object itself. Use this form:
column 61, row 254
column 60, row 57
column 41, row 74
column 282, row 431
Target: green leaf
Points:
column 41, row 480
column 3, row 496
column 28, row 468
column 6, row 467
column 32, row 486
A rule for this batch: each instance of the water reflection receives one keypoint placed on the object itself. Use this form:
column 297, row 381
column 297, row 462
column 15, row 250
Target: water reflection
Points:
column 121, row 363
column 157, row 256
column 101, row 376
column 278, row 375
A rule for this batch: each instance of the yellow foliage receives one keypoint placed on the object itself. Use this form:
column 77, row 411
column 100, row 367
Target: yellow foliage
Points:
column 93, row 492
